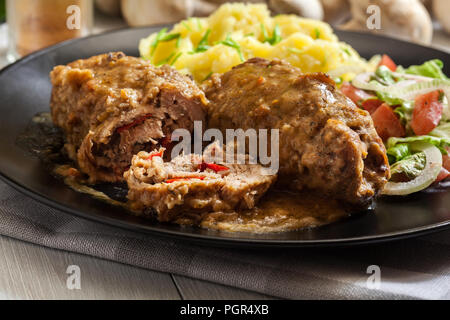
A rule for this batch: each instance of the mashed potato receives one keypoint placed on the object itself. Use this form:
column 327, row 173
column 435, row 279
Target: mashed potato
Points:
column 237, row 32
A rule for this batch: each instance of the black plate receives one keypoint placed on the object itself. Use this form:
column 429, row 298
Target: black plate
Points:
column 25, row 91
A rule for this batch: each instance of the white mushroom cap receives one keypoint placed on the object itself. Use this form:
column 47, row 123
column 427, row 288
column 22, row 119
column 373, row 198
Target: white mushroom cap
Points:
column 441, row 9
column 405, row 19
column 305, row 8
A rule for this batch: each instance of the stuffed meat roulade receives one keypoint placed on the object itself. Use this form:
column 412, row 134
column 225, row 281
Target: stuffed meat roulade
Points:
column 112, row 106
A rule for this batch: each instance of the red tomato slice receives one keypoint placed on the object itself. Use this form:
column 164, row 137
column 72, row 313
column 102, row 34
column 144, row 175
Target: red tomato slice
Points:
column 446, row 160
column 371, row 104
column 427, row 113
column 444, row 174
column 388, row 62
column 355, row 94
column 386, row 123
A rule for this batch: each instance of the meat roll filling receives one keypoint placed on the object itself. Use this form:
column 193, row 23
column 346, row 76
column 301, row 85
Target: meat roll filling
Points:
column 191, row 183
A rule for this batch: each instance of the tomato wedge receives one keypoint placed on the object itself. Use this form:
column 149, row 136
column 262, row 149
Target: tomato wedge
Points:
column 371, row 104
column 446, row 160
column 444, row 174
column 388, row 62
column 427, row 112
column 355, row 94
column 387, row 123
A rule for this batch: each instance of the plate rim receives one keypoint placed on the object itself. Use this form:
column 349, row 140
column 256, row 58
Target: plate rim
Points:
column 212, row 239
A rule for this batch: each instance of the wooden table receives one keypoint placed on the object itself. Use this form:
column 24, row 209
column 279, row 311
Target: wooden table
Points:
column 29, row 271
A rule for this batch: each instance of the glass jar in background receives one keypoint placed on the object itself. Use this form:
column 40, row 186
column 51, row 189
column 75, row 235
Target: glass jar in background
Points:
column 36, row 24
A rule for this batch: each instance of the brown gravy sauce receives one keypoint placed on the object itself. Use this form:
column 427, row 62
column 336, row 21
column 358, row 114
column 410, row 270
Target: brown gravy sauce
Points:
column 278, row 211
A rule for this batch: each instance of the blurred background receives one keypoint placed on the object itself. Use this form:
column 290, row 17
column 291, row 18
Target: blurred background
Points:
column 29, row 25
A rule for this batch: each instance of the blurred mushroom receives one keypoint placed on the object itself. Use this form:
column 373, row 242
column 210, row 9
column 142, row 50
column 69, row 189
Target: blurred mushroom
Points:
column 336, row 11
column 428, row 4
column 405, row 19
column 109, row 7
column 441, row 9
column 144, row 12
column 305, row 8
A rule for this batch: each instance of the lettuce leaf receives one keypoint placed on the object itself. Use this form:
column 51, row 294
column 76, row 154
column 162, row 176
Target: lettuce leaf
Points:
column 411, row 166
column 442, row 131
column 439, row 142
column 404, row 110
column 398, row 152
column 384, row 75
column 431, row 69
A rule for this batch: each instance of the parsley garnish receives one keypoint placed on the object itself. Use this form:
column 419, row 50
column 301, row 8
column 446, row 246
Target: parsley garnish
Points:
column 347, row 51
column 295, row 50
column 169, row 58
column 275, row 38
column 203, row 44
column 176, row 58
column 199, row 23
column 208, row 76
column 162, row 36
column 233, row 44
column 166, row 60
column 317, row 32
column 186, row 26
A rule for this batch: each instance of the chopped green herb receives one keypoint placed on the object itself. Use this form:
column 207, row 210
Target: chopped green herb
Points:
column 169, row 37
column 155, row 42
column 275, row 38
column 199, row 23
column 251, row 34
column 347, row 51
column 203, row 44
column 233, row 44
column 317, row 33
column 338, row 80
column 276, row 35
column 162, row 36
column 178, row 42
column 295, row 50
column 186, row 26
column 176, row 58
column 208, row 76
column 166, row 60
column 325, row 61
column 264, row 33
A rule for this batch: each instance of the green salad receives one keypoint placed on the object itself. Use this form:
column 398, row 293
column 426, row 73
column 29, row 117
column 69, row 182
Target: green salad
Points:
column 411, row 113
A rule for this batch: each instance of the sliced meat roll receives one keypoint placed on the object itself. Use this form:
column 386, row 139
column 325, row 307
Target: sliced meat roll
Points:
column 190, row 184
column 112, row 106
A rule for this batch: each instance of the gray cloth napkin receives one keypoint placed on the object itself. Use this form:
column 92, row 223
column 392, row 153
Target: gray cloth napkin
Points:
column 410, row 269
